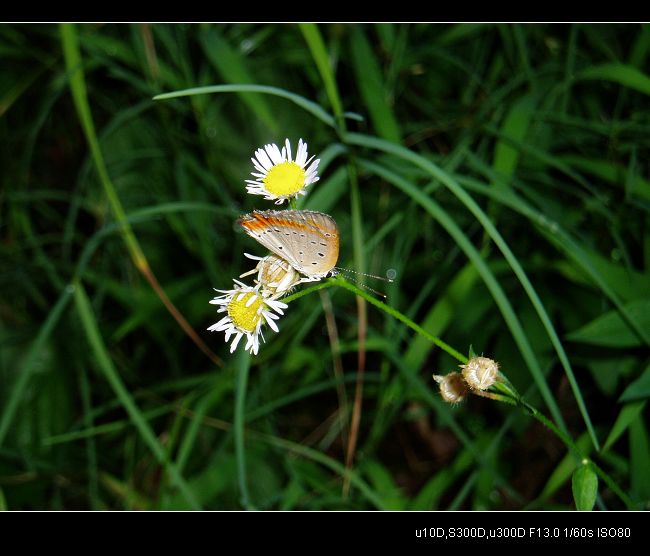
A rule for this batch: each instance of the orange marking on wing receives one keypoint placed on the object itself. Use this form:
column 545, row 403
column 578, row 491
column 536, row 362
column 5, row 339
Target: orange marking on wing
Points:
column 254, row 224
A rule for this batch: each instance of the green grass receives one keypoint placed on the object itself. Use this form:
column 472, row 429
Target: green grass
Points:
column 500, row 170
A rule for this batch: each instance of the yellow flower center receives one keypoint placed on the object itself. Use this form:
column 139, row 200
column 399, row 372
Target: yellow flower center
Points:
column 283, row 179
column 243, row 317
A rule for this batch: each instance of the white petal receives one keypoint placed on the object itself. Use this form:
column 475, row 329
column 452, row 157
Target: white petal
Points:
column 270, row 322
column 219, row 325
column 287, row 145
column 279, row 305
column 313, row 166
column 223, row 291
column 264, row 160
column 301, row 155
column 258, row 166
column 274, row 153
column 235, row 342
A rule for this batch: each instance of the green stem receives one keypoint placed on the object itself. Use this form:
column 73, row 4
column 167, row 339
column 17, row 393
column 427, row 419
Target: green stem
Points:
column 533, row 412
column 239, row 421
column 343, row 283
column 511, row 395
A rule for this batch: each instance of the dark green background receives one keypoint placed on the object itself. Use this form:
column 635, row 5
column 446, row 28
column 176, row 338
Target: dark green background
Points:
column 541, row 129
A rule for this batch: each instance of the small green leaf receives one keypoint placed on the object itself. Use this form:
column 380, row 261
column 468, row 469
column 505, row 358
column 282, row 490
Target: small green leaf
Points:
column 639, row 389
column 585, row 487
column 628, row 414
column 612, row 331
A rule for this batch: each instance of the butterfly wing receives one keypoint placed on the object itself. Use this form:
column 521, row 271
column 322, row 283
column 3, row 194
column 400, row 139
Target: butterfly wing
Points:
column 307, row 240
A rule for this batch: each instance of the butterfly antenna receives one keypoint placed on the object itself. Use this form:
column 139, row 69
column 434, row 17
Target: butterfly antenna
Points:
column 380, row 294
column 350, row 271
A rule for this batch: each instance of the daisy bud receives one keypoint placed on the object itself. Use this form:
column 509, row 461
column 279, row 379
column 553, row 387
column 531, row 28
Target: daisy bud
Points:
column 275, row 276
column 452, row 387
column 480, row 373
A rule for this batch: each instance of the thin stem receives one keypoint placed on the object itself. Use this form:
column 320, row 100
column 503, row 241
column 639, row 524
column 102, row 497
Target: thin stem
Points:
column 362, row 312
column 318, row 50
column 508, row 389
column 335, row 346
column 342, row 282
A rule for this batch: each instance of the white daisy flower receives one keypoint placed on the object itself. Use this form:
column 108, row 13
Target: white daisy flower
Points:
column 275, row 276
column 246, row 310
column 277, row 176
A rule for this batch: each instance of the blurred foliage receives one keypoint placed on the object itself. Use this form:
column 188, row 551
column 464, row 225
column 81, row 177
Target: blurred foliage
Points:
column 544, row 129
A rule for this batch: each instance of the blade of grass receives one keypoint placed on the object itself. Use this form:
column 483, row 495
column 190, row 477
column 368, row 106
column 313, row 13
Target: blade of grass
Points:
column 627, row 415
column 77, row 79
column 103, row 359
column 515, row 125
column 217, row 390
column 316, row 45
column 319, row 53
column 232, row 68
column 311, row 107
column 624, row 75
column 564, row 242
column 461, row 239
column 639, row 459
column 91, row 449
column 615, row 174
column 25, row 373
column 370, row 83
column 326, row 461
column 304, row 451
column 107, row 428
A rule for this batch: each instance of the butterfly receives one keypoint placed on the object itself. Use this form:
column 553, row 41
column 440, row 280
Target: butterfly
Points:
column 308, row 240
